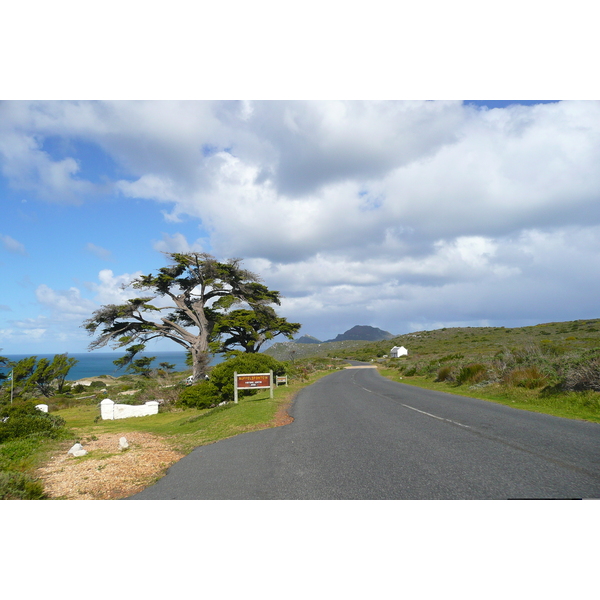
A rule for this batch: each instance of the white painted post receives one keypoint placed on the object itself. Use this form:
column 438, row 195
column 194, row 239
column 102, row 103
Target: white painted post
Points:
column 271, row 382
column 235, row 388
column 107, row 409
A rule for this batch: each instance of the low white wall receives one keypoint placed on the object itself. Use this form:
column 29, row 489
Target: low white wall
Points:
column 110, row 411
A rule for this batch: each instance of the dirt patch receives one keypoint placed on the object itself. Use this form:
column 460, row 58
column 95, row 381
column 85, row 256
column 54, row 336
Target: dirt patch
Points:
column 106, row 472
column 282, row 416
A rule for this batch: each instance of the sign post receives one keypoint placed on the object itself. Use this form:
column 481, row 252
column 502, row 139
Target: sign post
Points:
column 252, row 381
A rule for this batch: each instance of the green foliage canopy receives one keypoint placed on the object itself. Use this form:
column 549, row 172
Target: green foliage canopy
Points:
column 250, row 329
column 137, row 366
column 49, row 376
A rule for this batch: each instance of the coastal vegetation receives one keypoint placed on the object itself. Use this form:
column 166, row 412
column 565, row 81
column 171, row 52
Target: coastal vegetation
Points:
column 30, row 377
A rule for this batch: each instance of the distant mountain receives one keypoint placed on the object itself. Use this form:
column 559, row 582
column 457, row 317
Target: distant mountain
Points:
column 363, row 332
column 308, row 339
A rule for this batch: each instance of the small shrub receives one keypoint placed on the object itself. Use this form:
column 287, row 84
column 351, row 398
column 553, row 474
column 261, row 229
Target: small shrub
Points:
column 18, row 486
column 410, row 372
column 19, row 454
column 527, row 377
column 473, row 373
column 445, row 374
column 583, row 376
column 24, row 419
column 200, row 395
column 130, row 400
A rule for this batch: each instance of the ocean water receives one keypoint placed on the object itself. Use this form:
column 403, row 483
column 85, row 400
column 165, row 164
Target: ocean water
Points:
column 93, row 364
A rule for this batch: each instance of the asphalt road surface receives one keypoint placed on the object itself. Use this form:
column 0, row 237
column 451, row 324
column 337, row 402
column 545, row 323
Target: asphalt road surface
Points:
column 357, row 435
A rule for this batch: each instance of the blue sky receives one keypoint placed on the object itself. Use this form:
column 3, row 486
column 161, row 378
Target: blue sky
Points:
column 403, row 215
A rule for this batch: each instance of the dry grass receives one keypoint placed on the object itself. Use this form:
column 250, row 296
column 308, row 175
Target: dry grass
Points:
column 106, row 472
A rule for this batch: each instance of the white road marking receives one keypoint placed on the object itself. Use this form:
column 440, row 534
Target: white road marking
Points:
column 435, row 416
column 422, row 411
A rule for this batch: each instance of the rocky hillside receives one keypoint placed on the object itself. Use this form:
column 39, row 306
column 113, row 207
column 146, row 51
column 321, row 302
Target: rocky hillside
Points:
column 363, row 332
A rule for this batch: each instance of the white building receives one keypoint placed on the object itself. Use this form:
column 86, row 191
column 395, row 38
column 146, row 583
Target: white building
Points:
column 398, row 351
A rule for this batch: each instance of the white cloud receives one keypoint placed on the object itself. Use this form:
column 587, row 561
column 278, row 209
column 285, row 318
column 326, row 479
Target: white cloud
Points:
column 33, row 334
column 469, row 281
column 150, row 186
column 12, row 245
column 338, row 170
column 28, row 167
column 111, row 288
column 308, row 178
column 67, row 303
column 177, row 243
column 27, row 330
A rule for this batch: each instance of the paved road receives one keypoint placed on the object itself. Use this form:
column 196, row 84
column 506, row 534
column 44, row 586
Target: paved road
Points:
column 357, row 435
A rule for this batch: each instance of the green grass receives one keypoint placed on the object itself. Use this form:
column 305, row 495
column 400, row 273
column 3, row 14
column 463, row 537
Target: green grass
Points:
column 185, row 429
column 570, row 405
column 23, row 454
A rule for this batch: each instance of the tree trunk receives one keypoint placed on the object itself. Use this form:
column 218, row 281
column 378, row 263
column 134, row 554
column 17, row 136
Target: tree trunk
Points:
column 200, row 357
column 200, row 362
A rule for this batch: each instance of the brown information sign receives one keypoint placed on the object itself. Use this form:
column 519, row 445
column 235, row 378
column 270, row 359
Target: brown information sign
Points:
column 249, row 381
column 254, row 381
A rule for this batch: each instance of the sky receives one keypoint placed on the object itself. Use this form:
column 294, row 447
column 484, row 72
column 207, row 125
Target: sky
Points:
column 402, row 215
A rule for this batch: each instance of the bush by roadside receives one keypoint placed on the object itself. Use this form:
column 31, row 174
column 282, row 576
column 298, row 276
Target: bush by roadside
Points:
column 534, row 366
column 220, row 388
column 543, row 376
column 24, row 419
